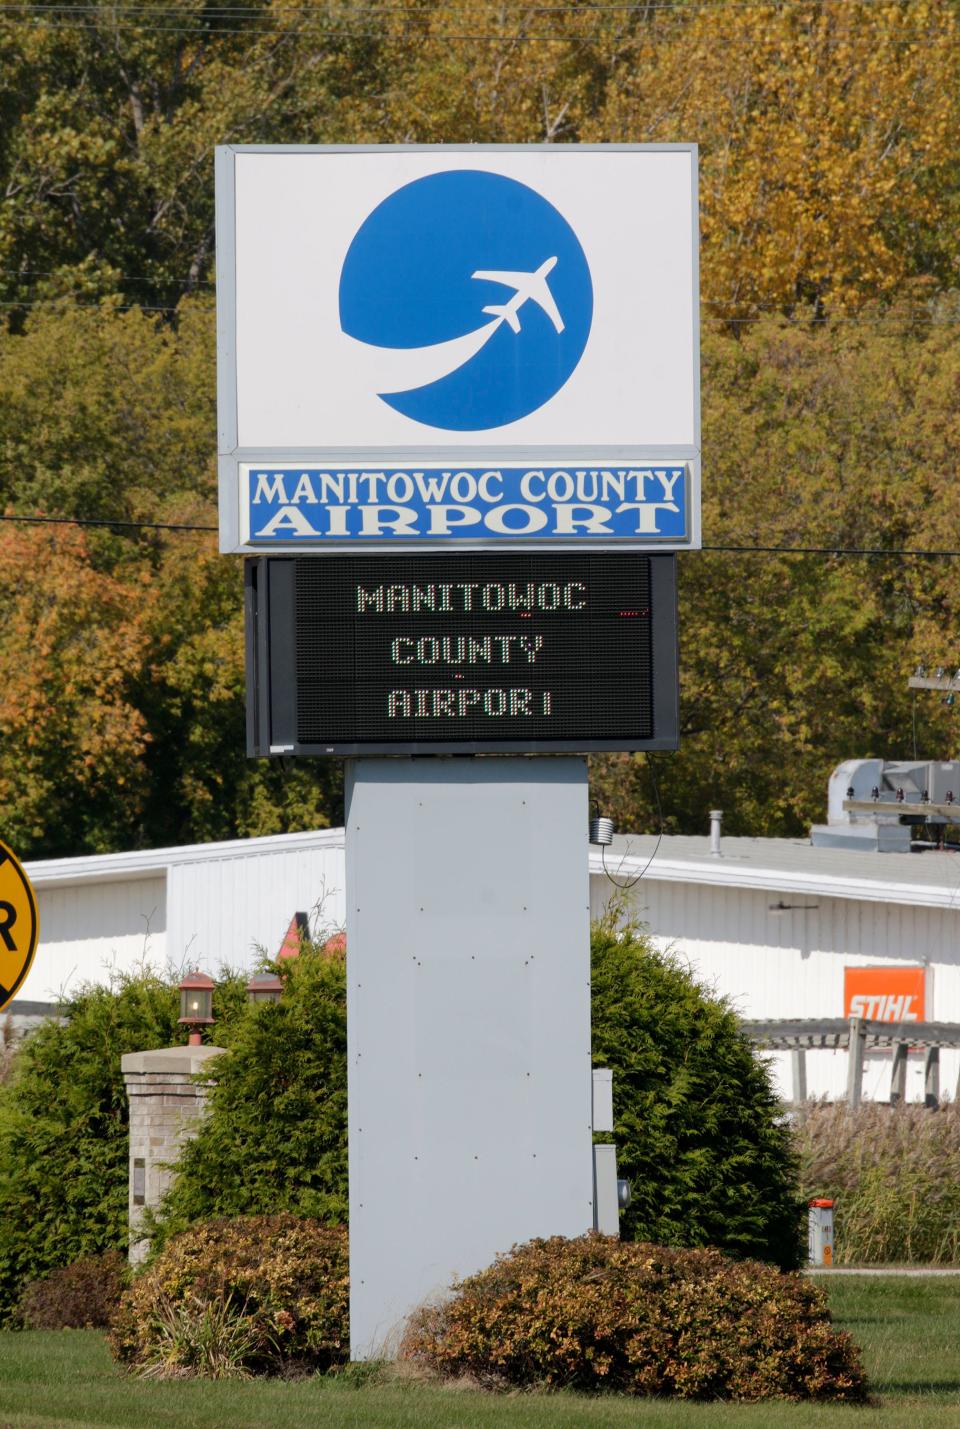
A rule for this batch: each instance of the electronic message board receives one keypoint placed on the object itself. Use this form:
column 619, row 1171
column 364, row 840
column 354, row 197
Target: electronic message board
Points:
column 428, row 654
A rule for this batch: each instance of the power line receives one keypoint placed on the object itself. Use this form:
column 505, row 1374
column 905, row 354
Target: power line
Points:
column 758, row 309
column 681, row 14
column 106, row 525
column 902, row 553
column 638, row 7
column 66, row 270
column 307, row 31
column 882, row 323
column 898, row 554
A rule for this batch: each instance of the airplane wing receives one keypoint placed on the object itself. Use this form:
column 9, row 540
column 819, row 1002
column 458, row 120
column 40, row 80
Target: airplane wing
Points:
column 541, row 294
column 519, row 281
column 528, row 287
column 506, row 312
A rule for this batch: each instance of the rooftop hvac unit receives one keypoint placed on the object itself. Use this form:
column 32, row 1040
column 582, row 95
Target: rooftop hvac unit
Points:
column 873, row 804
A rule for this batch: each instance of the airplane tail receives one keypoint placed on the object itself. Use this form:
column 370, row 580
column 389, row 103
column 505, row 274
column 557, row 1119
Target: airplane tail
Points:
column 504, row 311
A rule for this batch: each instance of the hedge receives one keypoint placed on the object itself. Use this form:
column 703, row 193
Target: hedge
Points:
column 596, row 1313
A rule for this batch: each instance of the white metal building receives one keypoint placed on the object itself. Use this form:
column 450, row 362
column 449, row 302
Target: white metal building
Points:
column 770, row 923
column 201, row 906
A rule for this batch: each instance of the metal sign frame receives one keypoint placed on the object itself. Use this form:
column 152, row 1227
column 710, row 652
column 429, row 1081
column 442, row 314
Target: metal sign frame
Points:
column 271, row 657
column 440, row 449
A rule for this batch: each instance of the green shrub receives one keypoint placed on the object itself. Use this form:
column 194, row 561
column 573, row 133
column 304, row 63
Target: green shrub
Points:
column 63, row 1130
column 697, row 1125
column 81, row 1296
column 698, row 1129
column 894, row 1173
column 8, row 1048
column 598, row 1314
column 64, row 1146
column 253, row 1295
column 275, row 1137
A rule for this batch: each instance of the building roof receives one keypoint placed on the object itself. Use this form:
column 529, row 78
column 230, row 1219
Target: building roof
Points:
column 795, row 866
column 152, row 863
column 930, row 880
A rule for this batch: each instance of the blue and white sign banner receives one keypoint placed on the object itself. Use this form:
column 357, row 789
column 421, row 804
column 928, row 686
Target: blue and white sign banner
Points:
column 432, row 507
column 395, row 310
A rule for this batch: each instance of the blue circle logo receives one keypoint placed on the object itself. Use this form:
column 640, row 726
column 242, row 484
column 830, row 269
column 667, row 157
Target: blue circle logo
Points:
column 482, row 284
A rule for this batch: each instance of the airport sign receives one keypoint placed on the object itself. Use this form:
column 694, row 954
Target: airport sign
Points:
column 447, row 347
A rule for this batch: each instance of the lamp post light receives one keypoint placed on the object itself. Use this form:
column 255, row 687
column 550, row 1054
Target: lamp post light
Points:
column 264, row 987
column 196, row 1005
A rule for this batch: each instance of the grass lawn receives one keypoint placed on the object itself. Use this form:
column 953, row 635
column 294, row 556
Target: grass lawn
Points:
column 909, row 1330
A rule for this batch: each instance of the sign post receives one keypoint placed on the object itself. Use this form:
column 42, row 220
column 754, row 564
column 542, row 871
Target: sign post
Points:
column 459, row 427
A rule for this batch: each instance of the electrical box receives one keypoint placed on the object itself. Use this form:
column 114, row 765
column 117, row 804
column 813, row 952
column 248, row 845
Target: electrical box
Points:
column 820, row 1233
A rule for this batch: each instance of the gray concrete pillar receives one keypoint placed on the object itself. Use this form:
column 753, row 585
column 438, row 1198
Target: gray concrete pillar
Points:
column 798, row 1059
column 931, row 1077
column 165, row 1107
column 858, row 1043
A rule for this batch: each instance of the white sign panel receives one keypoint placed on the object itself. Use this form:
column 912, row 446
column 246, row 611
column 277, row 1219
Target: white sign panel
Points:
column 500, row 320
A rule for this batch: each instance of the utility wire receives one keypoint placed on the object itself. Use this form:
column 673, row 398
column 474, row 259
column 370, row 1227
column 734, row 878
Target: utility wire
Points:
column 107, row 525
column 902, row 39
column 759, row 310
column 865, row 551
column 923, row 325
column 835, row 551
column 638, row 7
column 324, row 29
column 625, row 887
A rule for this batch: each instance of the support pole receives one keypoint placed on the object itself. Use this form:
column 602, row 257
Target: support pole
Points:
column 898, row 1073
column 798, row 1059
column 858, row 1041
column 468, row 1023
column 931, row 1077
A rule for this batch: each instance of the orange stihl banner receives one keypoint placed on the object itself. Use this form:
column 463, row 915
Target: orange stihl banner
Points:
column 885, row 994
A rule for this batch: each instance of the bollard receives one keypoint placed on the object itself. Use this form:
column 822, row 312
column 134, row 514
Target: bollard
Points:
column 820, row 1233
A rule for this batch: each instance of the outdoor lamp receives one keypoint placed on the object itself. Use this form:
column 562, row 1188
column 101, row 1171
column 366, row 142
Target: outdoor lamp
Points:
column 196, row 1005
column 264, row 987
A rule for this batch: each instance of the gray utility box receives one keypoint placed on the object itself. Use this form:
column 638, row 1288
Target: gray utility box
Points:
column 820, row 1233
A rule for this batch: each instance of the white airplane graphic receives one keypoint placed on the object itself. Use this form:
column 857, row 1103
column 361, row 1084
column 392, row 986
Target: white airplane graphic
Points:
column 527, row 285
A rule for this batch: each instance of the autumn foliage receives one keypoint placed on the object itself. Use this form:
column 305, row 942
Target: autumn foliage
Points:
column 72, row 640
column 597, row 1314
column 829, row 203
column 83, row 1295
column 255, row 1294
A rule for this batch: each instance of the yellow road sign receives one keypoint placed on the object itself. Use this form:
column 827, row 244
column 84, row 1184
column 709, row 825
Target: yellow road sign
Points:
column 19, row 925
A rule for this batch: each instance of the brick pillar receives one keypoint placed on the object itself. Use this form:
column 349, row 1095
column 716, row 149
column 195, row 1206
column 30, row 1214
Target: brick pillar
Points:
column 165, row 1107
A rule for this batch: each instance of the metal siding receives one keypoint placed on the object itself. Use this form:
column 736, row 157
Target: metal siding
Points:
column 224, row 912
column 791, row 964
column 88, row 929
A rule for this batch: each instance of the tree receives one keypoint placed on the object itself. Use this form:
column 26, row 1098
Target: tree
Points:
column 123, row 648
column 73, row 746
column 698, row 1129
column 825, row 437
column 829, row 198
column 698, row 1126
column 64, row 1121
column 64, row 1147
column 275, row 1136
column 828, row 171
